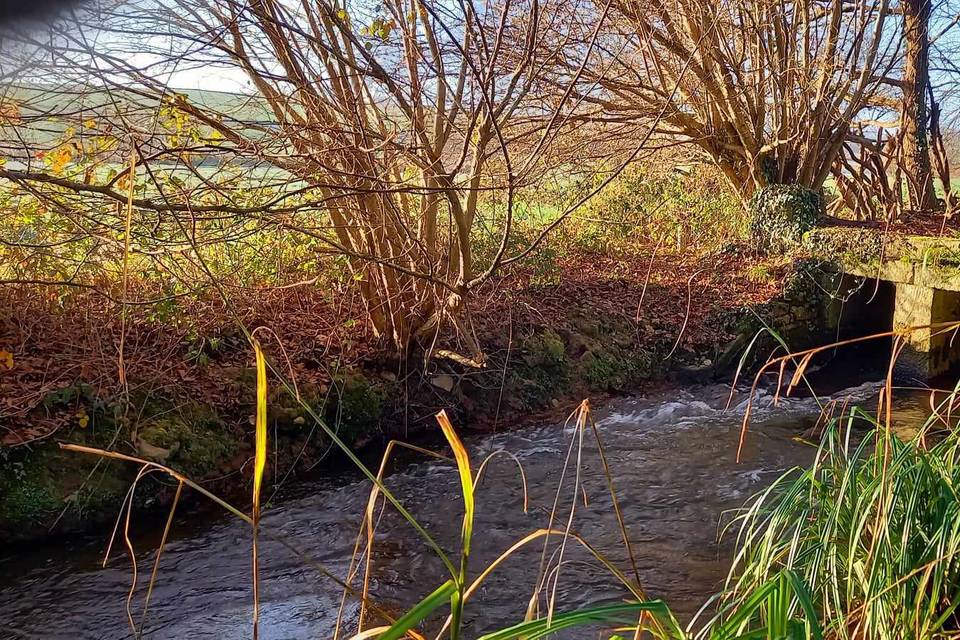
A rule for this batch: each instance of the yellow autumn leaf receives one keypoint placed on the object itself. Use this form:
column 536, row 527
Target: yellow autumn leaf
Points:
column 60, row 157
column 90, row 123
column 123, row 183
column 6, row 359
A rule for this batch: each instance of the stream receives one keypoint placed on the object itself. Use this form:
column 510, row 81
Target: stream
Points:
column 671, row 456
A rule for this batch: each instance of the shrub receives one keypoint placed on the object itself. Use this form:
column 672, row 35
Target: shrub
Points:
column 687, row 206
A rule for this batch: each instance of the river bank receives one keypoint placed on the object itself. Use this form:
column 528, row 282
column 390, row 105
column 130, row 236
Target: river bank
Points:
column 602, row 325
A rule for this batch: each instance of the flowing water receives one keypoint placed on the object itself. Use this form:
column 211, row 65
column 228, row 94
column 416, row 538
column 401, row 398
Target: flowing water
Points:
column 671, row 456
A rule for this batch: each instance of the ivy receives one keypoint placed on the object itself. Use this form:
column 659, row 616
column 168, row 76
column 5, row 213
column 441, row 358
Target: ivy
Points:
column 781, row 214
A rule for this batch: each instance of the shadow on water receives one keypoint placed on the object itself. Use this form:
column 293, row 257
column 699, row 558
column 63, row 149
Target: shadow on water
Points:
column 672, row 456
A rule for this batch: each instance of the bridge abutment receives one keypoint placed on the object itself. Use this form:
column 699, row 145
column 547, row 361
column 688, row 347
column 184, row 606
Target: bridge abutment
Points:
column 928, row 352
column 923, row 275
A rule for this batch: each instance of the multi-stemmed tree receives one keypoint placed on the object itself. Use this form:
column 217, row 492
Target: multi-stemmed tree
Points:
column 769, row 89
column 393, row 121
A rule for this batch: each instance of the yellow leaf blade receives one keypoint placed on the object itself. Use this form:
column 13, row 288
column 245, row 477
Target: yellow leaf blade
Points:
column 260, row 436
column 259, row 465
column 466, row 478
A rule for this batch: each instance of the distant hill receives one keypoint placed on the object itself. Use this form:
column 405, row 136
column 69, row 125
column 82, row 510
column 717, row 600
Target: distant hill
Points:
column 37, row 118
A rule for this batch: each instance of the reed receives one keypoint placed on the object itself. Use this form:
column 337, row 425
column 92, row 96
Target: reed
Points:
column 872, row 528
column 259, row 466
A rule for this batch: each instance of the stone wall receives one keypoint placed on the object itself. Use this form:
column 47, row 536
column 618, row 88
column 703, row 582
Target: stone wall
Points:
column 820, row 305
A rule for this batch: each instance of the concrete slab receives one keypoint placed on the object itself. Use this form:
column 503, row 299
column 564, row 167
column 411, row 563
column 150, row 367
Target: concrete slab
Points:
column 929, row 352
column 925, row 272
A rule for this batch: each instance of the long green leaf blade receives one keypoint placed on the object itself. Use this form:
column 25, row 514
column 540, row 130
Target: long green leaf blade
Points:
column 609, row 614
column 417, row 614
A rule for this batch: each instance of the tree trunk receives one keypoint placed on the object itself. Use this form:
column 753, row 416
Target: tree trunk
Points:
column 914, row 114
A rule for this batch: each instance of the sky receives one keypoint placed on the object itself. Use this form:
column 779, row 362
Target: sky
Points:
column 229, row 78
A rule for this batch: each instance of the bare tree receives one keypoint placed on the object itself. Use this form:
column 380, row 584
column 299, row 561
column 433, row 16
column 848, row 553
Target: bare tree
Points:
column 769, row 89
column 891, row 162
column 393, row 121
column 943, row 93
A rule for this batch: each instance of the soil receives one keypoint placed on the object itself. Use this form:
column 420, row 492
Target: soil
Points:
column 917, row 224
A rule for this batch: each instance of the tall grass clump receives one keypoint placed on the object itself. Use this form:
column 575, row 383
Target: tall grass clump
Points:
column 872, row 528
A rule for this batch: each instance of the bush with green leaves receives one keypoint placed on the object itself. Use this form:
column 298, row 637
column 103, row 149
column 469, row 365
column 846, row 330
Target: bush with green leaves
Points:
column 781, row 214
column 689, row 207
column 683, row 206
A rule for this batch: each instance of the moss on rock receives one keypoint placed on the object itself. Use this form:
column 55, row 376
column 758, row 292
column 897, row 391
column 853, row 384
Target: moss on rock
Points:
column 26, row 499
column 609, row 371
column 357, row 407
column 196, row 442
column 541, row 372
column 42, row 485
